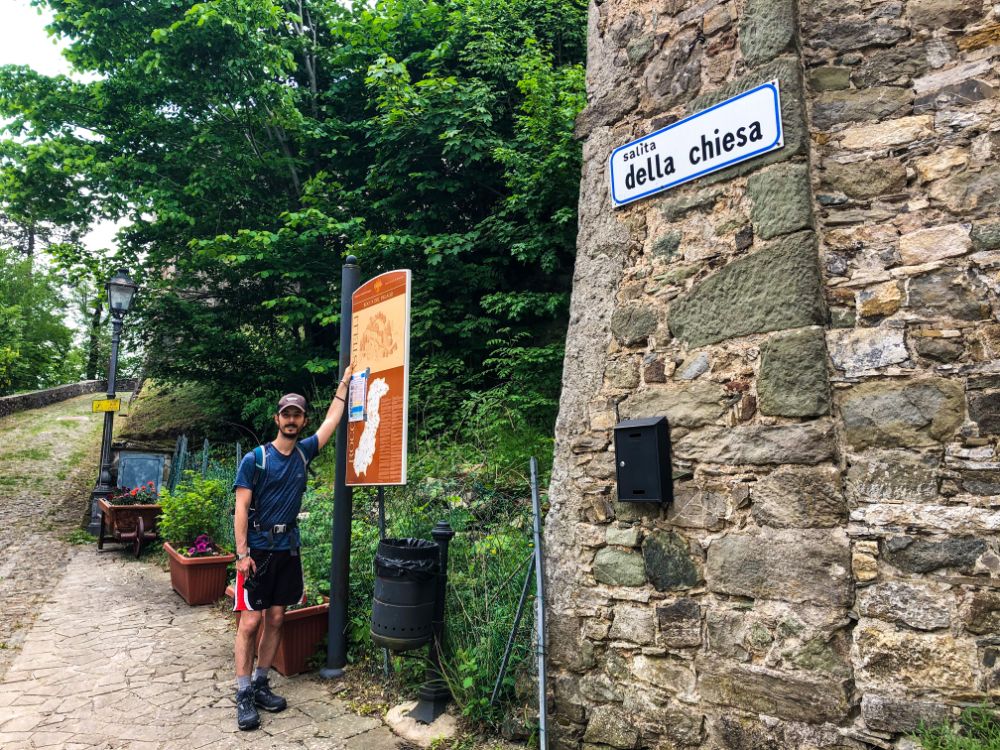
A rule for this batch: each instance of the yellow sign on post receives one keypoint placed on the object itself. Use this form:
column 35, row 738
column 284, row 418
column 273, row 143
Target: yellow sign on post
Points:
column 107, row 404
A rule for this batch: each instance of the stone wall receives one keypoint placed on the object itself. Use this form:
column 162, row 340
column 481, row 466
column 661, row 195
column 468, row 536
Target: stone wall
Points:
column 820, row 327
column 37, row 399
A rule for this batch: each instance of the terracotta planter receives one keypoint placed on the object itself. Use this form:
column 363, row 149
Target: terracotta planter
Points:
column 199, row 580
column 301, row 635
column 128, row 524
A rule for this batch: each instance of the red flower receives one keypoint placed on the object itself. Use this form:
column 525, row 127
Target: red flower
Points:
column 135, row 491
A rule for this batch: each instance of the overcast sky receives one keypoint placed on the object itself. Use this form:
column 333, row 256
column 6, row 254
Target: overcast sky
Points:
column 24, row 41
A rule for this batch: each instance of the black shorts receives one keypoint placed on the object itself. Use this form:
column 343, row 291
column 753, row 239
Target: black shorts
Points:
column 278, row 581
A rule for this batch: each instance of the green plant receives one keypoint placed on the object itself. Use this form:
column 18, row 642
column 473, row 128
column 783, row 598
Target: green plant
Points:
column 977, row 729
column 143, row 495
column 196, row 506
column 79, row 536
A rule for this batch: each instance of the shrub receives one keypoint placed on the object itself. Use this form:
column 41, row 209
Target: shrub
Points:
column 196, row 506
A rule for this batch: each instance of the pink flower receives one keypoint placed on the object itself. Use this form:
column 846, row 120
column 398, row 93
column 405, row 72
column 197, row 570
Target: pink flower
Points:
column 201, row 547
column 192, row 551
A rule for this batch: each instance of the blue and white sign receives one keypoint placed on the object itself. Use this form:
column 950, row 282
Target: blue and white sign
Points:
column 740, row 128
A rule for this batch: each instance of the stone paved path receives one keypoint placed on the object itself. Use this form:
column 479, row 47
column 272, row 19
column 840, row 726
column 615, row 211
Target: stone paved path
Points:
column 96, row 650
column 48, row 462
column 117, row 660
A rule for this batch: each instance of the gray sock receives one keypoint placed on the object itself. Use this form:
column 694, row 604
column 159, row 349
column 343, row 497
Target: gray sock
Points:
column 242, row 682
column 261, row 673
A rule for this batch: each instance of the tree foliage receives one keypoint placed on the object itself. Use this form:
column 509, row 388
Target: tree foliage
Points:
column 254, row 144
column 36, row 344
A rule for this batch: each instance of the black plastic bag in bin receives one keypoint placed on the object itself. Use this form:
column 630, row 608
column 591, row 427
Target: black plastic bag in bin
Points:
column 407, row 559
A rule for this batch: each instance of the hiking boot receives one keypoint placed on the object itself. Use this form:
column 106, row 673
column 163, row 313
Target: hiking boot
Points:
column 266, row 699
column 246, row 715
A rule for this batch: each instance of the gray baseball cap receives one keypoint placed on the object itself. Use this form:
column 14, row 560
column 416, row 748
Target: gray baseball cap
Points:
column 292, row 399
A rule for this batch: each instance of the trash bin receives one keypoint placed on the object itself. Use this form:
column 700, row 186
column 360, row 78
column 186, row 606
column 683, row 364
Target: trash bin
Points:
column 405, row 590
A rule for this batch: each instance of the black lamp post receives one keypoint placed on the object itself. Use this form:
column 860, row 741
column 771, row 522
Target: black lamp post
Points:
column 120, row 290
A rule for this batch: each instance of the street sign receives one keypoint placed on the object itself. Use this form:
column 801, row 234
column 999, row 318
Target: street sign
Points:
column 740, row 128
column 379, row 394
column 106, row 404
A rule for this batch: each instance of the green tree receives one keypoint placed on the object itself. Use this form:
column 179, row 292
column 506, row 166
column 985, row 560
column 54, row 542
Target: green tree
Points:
column 36, row 345
column 253, row 144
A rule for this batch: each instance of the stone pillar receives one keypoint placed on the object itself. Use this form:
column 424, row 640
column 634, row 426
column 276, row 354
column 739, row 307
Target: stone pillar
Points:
column 820, row 327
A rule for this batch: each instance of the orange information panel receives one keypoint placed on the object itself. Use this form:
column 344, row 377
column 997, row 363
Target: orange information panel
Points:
column 379, row 392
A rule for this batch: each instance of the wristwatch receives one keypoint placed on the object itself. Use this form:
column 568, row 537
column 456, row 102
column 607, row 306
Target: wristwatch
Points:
column 244, row 556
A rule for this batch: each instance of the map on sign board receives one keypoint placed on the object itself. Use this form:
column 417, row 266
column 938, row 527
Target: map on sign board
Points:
column 379, row 393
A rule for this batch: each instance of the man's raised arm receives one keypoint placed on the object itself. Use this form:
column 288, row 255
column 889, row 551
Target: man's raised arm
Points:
column 336, row 411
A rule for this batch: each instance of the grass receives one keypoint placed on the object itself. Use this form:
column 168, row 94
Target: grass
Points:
column 79, row 537
column 30, row 454
column 977, row 729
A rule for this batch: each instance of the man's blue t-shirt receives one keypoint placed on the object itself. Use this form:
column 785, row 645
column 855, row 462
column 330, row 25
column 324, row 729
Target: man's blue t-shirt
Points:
column 278, row 496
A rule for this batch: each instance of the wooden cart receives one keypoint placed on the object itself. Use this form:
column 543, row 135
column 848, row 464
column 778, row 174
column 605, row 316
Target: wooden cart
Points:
column 127, row 524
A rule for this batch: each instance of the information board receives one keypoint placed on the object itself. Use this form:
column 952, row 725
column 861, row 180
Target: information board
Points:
column 380, row 349
column 742, row 127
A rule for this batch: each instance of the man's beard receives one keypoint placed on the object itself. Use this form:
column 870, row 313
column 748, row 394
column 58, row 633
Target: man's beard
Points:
column 294, row 429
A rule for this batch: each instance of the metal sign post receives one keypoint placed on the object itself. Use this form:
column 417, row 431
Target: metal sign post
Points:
column 343, row 496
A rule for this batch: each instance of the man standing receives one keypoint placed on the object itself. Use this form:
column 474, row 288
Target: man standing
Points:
column 269, row 487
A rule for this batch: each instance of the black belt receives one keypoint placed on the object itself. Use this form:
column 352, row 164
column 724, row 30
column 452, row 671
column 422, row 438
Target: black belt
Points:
column 278, row 528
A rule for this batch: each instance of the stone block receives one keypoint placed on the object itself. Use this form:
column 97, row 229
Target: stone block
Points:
column 968, row 191
column 860, row 105
column 684, row 404
column 669, row 566
column 895, row 714
column 894, row 659
column 984, row 410
column 633, row 323
column 921, row 606
column 622, row 373
column 912, row 555
column 947, row 294
column 858, row 351
column 775, row 288
column 895, row 65
column 627, row 537
column 879, row 300
column 669, row 673
column 866, row 179
column 952, row 14
column 803, row 566
column 619, row 568
column 674, row 74
column 806, row 443
column 686, row 200
column 780, row 694
column 781, row 200
column 986, row 236
column 936, row 243
column 694, row 367
column 938, row 349
column 697, row 508
column 892, row 476
column 610, row 725
column 793, row 378
column 941, row 163
column 799, row 498
column 634, row 624
column 666, row 245
column 981, row 614
column 913, row 414
column 829, row 78
column 680, row 624
column 883, row 135
column 767, row 28
column 848, row 35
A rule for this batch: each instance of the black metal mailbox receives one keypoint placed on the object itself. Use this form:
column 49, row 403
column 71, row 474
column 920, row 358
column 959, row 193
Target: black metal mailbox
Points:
column 642, row 460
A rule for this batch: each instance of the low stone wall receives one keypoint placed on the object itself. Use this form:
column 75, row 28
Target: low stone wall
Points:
column 36, row 399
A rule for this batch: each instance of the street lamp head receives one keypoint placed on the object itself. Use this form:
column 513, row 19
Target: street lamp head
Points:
column 121, row 289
